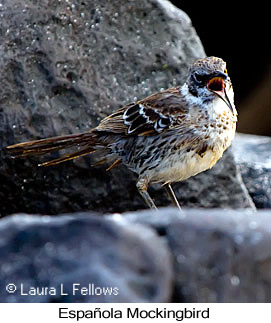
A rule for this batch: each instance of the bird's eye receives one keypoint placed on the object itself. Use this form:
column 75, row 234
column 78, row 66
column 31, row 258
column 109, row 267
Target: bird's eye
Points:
column 200, row 78
column 225, row 71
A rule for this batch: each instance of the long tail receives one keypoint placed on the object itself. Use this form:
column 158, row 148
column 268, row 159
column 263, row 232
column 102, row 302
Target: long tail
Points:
column 84, row 142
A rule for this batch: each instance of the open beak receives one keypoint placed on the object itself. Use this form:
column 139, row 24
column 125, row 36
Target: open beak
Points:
column 217, row 85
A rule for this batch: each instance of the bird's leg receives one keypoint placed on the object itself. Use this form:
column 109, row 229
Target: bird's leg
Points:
column 142, row 186
column 172, row 195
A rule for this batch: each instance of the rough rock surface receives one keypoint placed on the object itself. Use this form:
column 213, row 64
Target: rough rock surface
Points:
column 66, row 65
column 253, row 156
column 219, row 256
column 83, row 249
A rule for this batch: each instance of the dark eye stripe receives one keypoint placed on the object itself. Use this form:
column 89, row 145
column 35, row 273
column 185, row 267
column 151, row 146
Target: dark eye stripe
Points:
column 200, row 78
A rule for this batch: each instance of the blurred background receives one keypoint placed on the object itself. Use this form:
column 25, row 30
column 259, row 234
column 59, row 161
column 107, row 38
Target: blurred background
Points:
column 240, row 34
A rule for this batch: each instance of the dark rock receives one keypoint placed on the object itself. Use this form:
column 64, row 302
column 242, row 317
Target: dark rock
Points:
column 66, row 66
column 219, row 256
column 253, row 156
column 82, row 249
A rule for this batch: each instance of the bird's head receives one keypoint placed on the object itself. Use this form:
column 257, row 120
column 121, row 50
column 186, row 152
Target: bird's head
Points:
column 208, row 80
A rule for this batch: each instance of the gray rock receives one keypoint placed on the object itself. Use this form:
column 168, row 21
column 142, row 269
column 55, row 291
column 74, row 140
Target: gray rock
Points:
column 66, row 66
column 219, row 255
column 253, row 156
column 82, row 251
column 199, row 256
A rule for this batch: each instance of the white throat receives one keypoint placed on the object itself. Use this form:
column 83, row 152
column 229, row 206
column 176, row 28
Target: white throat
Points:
column 190, row 98
column 213, row 104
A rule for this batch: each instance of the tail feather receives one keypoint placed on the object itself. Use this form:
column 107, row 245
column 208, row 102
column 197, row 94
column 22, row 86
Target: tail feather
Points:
column 86, row 141
column 67, row 157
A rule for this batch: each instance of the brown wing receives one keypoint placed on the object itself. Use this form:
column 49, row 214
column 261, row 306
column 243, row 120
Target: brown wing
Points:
column 149, row 116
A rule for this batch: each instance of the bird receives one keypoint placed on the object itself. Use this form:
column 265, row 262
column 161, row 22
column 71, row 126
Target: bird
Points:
column 164, row 138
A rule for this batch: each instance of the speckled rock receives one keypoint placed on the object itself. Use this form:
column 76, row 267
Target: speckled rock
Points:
column 66, row 66
column 81, row 258
column 253, row 156
column 219, row 255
